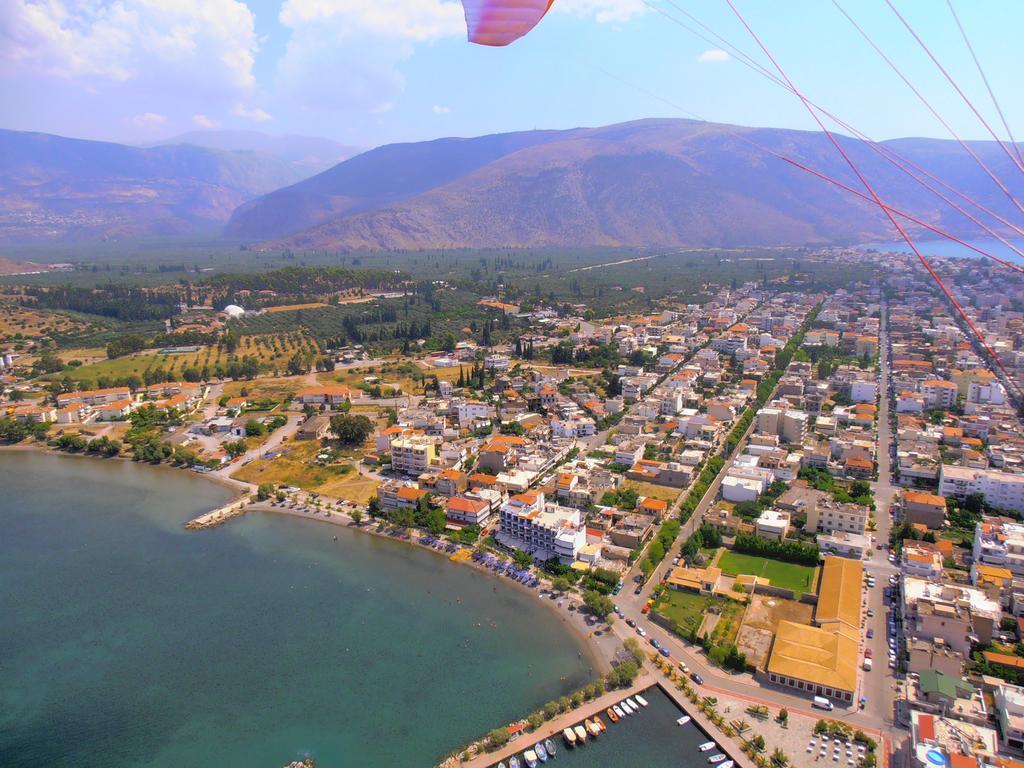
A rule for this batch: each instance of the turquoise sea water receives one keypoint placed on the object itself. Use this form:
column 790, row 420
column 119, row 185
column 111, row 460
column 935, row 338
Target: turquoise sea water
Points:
column 128, row 641
column 955, row 250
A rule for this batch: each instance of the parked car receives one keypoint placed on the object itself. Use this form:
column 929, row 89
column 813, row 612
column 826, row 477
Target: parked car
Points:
column 631, row 622
column 697, row 678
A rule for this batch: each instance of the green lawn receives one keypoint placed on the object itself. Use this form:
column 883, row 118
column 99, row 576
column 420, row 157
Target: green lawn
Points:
column 799, row 578
column 685, row 609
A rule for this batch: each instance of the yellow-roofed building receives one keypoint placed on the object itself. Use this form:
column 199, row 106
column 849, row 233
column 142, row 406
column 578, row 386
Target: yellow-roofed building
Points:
column 823, row 660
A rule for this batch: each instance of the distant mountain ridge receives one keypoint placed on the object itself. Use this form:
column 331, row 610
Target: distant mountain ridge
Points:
column 52, row 187
column 309, row 154
column 651, row 182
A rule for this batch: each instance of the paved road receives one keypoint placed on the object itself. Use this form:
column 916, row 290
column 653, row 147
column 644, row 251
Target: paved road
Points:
column 879, row 683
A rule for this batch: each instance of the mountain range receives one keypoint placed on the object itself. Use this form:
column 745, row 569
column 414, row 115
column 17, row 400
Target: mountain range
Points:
column 658, row 182
column 56, row 188
column 308, row 154
column 650, row 182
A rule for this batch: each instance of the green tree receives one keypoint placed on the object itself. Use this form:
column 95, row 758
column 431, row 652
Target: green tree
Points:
column 351, row 430
column 357, row 516
column 263, row 491
column 598, row 604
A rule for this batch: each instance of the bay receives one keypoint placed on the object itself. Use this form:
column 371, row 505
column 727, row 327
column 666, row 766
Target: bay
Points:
column 128, row 641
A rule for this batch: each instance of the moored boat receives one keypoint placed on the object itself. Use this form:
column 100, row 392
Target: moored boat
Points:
column 500, row 765
column 727, row 764
column 633, row 704
column 581, row 733
column 549, row 745
column 541, row 752
column 600, row 723
column 618, row 710
column 641, row 700
column 706, row 746
column 570, row 736
column 683, row 720
column 611, row 715
column 592, row 728
column 715, row 759
column 513, row 762
column 625, row 707
column 531, row 758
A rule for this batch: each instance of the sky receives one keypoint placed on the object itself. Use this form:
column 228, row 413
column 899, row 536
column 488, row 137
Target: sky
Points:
column 371, row 72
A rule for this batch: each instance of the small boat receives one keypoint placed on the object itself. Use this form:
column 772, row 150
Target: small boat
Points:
column 513, row 762
column 581, row 733
column 549, row 746
column 600, row 723
column 618, row 710
column 531, row 758
column 541, row 752
column 641, row 700
column 570, row 736
column 633, row 704
column 706, row 746
column 611, row 715
column 500, row 765
column 592, row 728
column 715, row 759
column 727, row 764
column 683, row 720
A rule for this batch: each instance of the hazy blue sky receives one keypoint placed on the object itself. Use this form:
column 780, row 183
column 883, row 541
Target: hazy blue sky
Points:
column 367, row 72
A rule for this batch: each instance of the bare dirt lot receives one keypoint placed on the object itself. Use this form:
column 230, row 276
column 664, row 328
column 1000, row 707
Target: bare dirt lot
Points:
column 763, row 615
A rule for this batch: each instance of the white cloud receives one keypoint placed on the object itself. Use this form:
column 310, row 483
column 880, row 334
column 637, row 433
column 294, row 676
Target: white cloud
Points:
column 437, row 109
column 418, row 20
column 148, row 120
column 202, row 121
column 713, row 56
column 603, row 11
column 256, row 114
column 192, row 41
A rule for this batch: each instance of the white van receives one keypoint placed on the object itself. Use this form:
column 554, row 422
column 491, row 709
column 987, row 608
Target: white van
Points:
column 822, row 703
column 867, row 665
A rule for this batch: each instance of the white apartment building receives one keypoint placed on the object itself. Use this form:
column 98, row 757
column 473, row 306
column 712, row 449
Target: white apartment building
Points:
column 412, row 455
column 497, row 362
column 1000, row 543
column 543, row 529
column 1001, row 489
column 829, row 517
column 1009, row 706
column 863, row 391
column 981, row 392
column 471, row 411
column 789, row 424
column 939, row 393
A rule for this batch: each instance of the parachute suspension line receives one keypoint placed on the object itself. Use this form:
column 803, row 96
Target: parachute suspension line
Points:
column 1016, row 161
column 920, row 96
column 867, row 185
column 886, row 152
column 984, row 79
column 814, row 172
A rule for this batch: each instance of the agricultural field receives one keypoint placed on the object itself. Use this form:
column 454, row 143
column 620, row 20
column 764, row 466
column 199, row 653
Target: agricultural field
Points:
column 799, row 578
column 406, row 375
column 38, row 323
column 272, row 351
column 265, row 387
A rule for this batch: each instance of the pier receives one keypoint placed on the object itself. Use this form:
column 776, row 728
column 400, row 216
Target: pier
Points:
column 217, row 516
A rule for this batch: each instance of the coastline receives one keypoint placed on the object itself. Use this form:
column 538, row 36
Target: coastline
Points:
column 587, row 644
column 237, row 487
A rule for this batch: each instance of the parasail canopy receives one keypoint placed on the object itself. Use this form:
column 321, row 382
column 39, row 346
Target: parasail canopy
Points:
column 500, row 22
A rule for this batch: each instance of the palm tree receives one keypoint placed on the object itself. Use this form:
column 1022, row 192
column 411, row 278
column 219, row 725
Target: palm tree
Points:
column 742, row 725
column 779, row 758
